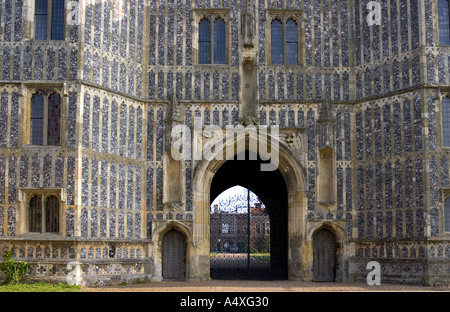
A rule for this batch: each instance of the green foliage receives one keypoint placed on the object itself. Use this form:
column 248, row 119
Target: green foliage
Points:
column 263, row 243
column 13, row 270
column 40, row 287
column 242, row 246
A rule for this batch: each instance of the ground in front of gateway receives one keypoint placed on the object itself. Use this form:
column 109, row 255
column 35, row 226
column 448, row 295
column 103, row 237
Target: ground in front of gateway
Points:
column 261, row 286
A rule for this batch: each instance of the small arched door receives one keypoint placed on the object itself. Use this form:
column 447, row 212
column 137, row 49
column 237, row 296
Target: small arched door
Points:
column 324, row 247
column 174, row 256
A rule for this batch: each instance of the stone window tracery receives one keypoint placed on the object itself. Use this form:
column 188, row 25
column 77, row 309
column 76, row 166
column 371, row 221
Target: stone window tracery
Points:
column 284, row 42
column 283, row 33
column 212, row 41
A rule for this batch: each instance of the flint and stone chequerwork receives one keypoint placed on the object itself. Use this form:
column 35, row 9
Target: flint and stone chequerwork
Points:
column 360, row 122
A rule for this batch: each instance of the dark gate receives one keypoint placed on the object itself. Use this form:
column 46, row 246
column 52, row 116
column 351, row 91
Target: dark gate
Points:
column 247, row 245
column 324, row 266
column 174, row 256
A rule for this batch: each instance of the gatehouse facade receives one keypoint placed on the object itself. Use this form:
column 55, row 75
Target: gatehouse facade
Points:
column 91, row 91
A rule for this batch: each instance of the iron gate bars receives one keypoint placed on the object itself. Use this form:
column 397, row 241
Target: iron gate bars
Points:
column 240, row 243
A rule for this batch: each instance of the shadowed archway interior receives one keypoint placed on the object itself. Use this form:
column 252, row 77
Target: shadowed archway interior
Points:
column 271, row 188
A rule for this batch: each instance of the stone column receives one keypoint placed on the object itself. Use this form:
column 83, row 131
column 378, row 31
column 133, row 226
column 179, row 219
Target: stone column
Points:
column 200, row 262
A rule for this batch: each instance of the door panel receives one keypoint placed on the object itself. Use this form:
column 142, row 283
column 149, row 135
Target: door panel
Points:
column 174, row 256
column 324, row 246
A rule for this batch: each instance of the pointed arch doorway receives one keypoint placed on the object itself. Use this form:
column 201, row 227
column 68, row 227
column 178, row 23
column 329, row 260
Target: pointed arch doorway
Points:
column 174, row 256
column 250, row 242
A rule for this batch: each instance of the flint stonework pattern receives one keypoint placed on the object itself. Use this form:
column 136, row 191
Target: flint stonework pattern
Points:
column 116, row 75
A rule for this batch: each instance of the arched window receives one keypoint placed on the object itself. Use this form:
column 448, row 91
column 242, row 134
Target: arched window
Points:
column 43, row 214
column 276, row 42
column 212, row 41
column 447, row 214
column 204, row 42
column 49, row 20
column 219, row 41
column 291, row 43
column 446, row 121
column 444, row 22
column 284, row 42
column 45, row 123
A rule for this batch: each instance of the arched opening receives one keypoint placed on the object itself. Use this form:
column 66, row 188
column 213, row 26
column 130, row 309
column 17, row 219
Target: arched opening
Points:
column 174, row 256
column 253, row 242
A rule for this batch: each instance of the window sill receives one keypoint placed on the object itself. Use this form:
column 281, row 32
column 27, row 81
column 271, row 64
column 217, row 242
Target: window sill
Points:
column 41, row 146
column 40, row 236
column 284, row 65
column 213, row 65
column 47, row 40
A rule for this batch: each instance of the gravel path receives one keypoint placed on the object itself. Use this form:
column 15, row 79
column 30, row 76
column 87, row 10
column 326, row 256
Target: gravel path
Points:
column 259, row 286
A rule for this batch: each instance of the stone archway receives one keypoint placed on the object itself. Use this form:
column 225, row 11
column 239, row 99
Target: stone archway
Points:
column 294, row 177
column 183, row 238
column 333, row 230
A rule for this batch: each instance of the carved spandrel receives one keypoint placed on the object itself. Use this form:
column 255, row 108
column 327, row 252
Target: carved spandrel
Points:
column 296, row 140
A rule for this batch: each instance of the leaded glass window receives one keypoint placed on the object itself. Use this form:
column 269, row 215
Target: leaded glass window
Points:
column 57, row 26
column 52, row 214
column 219, row 41
column 291, row 43
column 35, row 214
column 212, row 41
column 37, row 120
column 43, row 214
column 40, row 20
column 45, row 123
column 276, row 41
column 284, row 42
column 447, row 214
column 444, row 25
column 446, row 121
column 204, row 42
column 49, row 17
column 54, row 116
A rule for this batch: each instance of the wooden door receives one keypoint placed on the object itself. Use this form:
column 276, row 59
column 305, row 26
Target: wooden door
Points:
column 324, row 246
column 174, row 256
